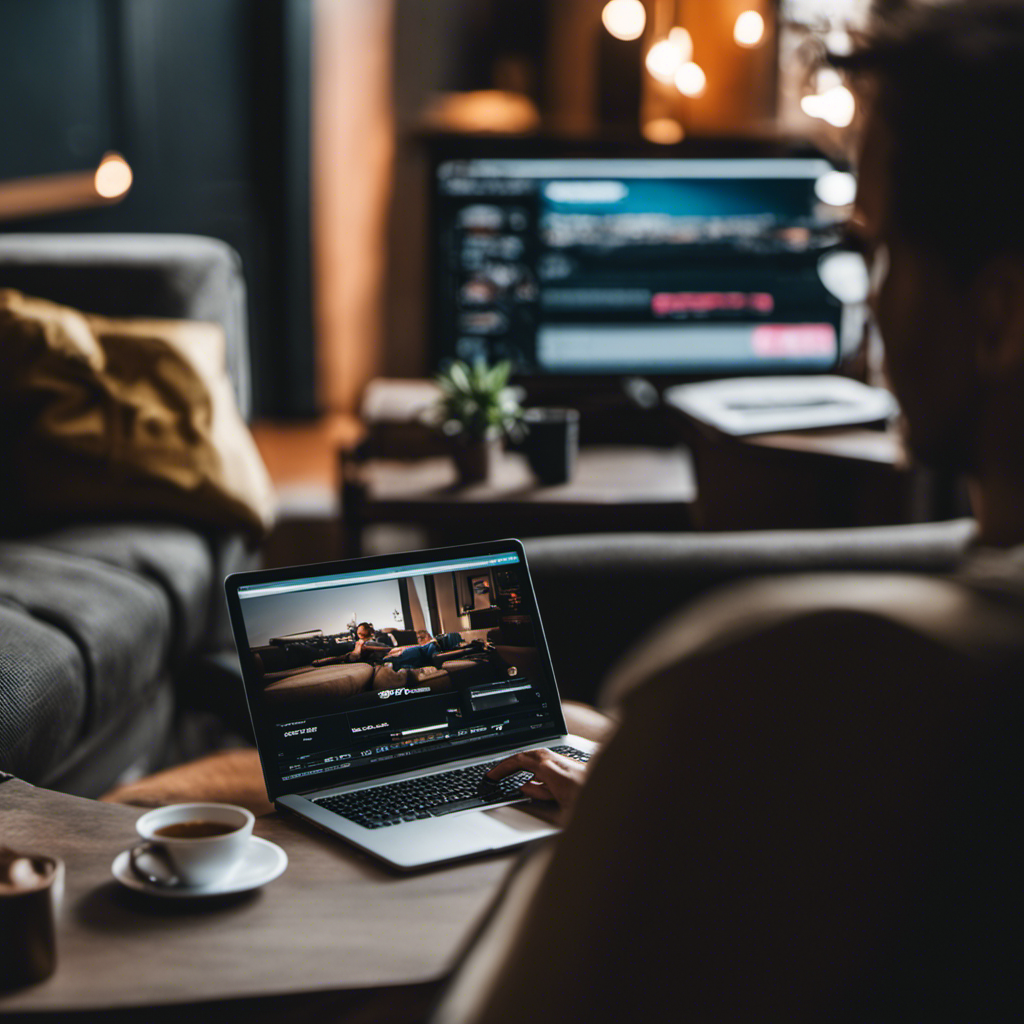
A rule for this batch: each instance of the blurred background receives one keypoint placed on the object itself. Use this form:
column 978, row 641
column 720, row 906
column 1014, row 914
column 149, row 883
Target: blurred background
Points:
column 307, row 134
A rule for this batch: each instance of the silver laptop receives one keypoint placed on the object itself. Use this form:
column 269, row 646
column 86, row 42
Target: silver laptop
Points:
column 382, row 689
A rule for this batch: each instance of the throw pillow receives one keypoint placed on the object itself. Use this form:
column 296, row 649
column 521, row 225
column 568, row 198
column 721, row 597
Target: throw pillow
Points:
column 121, row 419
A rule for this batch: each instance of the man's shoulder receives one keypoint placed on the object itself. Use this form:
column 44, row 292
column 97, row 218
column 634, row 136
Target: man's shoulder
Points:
column 811, row 625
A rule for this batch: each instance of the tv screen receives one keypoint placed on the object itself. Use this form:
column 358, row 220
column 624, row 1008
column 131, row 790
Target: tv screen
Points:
column 586, row 265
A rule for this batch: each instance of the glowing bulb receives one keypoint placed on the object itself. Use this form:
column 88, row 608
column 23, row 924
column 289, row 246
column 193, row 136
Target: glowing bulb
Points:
column 838, row 41
column 690, row 79
column 624, row 19
column 838, row 106
column 845, row 275
column 825, row 79
column 749, row 29
column 665, row 131
column 663, row 60
column 811, row 105
column 113, row 176
column 683, row 43
column 836, row 188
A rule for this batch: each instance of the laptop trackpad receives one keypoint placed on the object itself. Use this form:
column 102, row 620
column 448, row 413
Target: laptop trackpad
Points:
column 519, row 825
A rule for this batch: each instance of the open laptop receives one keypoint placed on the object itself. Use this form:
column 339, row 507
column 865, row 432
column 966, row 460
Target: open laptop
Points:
column 382, row 689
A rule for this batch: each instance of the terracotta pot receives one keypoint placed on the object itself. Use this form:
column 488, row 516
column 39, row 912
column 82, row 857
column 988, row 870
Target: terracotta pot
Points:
column 475, row 460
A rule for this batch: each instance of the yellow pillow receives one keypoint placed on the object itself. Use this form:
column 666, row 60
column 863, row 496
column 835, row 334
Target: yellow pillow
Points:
column 123, row 418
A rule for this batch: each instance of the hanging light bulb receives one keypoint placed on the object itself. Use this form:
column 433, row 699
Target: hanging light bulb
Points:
column 624, row 19
column 113, row 176
column 663, row 61
column 665, row 58
column 836, row 188
column 682, row 41
column 836, row 106
column 749, row 29
column 690, row 79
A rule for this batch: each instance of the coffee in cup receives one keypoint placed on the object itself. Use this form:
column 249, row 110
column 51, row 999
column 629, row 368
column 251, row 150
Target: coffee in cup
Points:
column 191, row 844
column 197, row 829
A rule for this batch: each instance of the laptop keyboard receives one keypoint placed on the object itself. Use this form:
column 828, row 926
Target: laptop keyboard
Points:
column 434, row 795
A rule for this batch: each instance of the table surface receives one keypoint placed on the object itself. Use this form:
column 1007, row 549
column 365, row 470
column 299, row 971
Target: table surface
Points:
column 334, row 921
column 606, row 475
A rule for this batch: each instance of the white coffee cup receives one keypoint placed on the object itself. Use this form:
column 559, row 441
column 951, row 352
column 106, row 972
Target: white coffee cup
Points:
column 178, row 838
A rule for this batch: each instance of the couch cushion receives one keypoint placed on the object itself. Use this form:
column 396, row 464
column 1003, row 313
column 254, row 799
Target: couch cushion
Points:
column 311, row 690
column 179, row 560
column 42, row 693
column 120, row 622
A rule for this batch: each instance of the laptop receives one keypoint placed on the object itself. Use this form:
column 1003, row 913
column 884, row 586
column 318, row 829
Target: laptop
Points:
column 382, row 689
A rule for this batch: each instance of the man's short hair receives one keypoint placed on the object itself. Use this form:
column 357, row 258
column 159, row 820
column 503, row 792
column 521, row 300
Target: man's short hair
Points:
column 950, row 81
column 368, row 625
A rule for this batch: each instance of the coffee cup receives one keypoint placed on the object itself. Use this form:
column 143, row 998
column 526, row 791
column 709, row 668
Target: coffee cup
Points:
column 190, row 844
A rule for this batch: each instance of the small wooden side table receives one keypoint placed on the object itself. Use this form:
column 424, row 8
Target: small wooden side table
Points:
column 614, row 489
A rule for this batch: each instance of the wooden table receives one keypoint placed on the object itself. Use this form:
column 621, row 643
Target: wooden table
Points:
column 614, row 488
column 332, row 935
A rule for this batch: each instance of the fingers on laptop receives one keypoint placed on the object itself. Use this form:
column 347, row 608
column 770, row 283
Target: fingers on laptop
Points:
column 555, row 777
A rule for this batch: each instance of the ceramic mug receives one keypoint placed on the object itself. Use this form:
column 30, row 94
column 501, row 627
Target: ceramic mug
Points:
column 192, row 844
column 30, row 894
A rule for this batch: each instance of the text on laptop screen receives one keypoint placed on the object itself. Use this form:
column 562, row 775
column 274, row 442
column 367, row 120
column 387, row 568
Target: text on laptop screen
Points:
column 640, row 265
column 362, row 670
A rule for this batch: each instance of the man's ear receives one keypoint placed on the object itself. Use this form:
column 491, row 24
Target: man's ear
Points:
column 999, row 296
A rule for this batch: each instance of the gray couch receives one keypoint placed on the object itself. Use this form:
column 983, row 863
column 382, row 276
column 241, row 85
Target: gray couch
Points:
column 104, row 626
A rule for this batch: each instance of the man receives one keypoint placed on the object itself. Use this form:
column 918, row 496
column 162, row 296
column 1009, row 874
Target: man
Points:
column 804, row 814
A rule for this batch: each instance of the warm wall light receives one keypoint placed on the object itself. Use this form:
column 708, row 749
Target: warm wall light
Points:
column 624, row 19
column 749, row 29
column 488, row 110
column 45, row 194
column 666, row 131
column 690, row 79
column 113, row 176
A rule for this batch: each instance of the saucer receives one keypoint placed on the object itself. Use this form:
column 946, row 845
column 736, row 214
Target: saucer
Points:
column 262, row 862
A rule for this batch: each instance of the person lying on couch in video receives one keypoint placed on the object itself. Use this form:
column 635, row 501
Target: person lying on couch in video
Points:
column 371, row 645
column 421, row 655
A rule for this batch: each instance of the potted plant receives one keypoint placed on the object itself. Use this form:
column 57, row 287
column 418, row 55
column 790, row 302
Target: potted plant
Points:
column 476, row 411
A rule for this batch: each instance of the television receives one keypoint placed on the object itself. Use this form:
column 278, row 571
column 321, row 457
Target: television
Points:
column 703, row 262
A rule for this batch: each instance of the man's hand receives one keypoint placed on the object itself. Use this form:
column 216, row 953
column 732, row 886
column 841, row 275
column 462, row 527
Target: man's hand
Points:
column 555, row 777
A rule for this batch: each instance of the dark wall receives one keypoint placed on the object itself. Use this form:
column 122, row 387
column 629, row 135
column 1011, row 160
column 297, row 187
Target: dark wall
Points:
column 209, row 101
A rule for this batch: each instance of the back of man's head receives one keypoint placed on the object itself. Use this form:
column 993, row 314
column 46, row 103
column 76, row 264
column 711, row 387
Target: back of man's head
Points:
column 950, row 86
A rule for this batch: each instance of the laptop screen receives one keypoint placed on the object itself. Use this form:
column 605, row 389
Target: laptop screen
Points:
column 355, row 674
